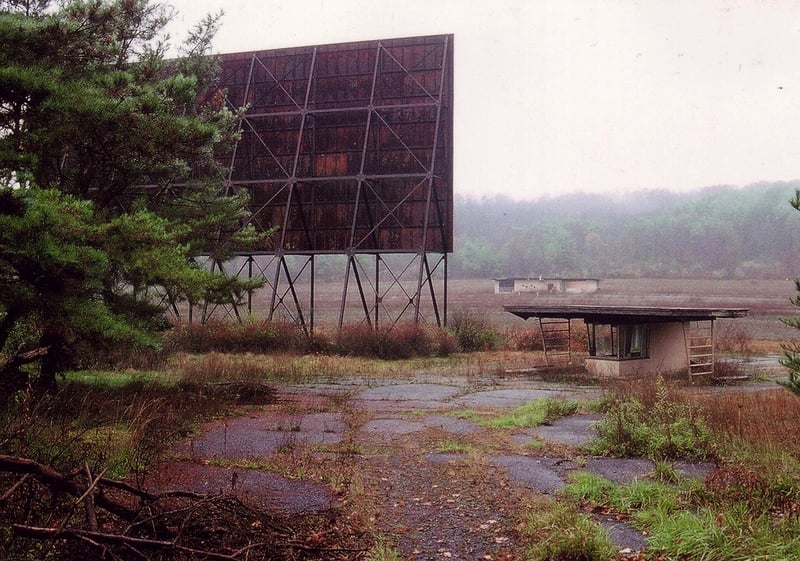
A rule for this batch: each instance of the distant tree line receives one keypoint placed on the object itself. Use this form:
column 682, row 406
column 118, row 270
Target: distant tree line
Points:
column 718, row 232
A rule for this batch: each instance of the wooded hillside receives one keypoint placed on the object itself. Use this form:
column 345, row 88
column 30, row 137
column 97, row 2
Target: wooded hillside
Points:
column 718, row 232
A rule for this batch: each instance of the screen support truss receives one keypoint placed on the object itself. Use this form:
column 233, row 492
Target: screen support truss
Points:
column 347, row 150
column 376, row 290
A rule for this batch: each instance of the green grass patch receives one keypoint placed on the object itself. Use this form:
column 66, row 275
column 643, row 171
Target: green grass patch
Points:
column 688, row 521
column 535, row 444
column 553, row 530
column 116, row 443
column 633, row 498
column 536, row 413
column 477, row 417
column 732, row 534
column 382, row 551
column 456, row 448
column 118, row 379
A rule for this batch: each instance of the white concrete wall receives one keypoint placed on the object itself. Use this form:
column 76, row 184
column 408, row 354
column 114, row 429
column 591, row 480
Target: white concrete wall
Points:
column 570, row 286
column 581, row 286
column 535, row 285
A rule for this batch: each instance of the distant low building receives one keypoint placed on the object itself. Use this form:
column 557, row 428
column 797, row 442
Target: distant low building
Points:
column 546, row 285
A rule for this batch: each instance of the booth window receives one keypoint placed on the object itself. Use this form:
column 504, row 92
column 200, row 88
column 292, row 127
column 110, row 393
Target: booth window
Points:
column 625, row 341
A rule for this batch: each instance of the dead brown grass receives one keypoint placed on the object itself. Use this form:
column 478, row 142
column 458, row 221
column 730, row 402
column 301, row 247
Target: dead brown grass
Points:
column 767, row 300
column 765, row 347
column 764, row 419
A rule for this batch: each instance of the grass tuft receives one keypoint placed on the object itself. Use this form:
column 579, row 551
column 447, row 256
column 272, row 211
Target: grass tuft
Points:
column 382, row 551
column 533, row 414
column 556, row 531
column 536, row 413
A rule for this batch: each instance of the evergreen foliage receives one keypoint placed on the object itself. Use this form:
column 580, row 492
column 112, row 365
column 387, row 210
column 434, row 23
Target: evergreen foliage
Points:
column 791, row 350
column 108, row 183
column 717, row 232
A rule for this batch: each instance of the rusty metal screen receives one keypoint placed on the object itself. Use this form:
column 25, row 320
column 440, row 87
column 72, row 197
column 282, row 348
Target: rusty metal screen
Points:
column 346, row 148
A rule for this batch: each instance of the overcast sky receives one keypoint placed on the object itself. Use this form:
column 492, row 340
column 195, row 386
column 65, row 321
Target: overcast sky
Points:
column 558, row 96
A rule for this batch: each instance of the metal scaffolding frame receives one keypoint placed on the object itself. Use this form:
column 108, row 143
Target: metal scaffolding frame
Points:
column 348, row 150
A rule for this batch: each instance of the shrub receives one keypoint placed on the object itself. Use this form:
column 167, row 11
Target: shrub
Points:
column 234, row 337
column 667, row 429
column 727, row 370
column 734, row 338
column 398, row 342
column 474, row 332
column 525, row 339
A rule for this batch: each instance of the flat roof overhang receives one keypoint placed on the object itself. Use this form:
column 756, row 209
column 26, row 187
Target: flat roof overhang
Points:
column 624, row 314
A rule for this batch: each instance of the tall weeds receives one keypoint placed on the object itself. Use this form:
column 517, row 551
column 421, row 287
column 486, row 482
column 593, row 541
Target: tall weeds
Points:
column 231, row 337
column 398, row 342
column 768, row 420
column 653, row 424
column 474, row 332
column 259, row 337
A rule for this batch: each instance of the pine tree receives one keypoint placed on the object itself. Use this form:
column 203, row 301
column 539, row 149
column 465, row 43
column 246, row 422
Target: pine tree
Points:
column 791, row 350
column 108, row 183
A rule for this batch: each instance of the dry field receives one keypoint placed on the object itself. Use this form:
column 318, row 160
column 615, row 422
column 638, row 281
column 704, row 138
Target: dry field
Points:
column 767, row 300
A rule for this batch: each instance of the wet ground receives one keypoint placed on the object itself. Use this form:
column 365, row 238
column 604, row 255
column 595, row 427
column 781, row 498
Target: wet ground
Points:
column 437, row 503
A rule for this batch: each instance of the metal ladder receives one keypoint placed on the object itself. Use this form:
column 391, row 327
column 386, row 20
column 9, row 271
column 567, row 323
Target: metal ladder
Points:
column 699, row 337
column 556, row 334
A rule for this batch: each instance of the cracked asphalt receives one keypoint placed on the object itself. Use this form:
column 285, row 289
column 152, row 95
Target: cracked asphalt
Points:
column 436, row 504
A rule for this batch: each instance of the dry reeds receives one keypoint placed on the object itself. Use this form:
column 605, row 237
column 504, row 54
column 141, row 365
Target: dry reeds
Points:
column 766, row 419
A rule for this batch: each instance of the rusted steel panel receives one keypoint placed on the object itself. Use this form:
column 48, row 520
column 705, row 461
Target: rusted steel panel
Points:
column 346, row 147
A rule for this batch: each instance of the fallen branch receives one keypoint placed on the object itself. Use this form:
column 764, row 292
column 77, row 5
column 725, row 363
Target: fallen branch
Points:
column 13, row 489
column 180, row 524
column 38, row 533
column 88, row 496
column 21, row 359
column 58, row 482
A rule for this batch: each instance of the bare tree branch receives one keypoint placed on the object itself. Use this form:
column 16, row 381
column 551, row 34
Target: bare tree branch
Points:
column 98, row 538
column 88, row 496
column 58, row 482
column 14, row 487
